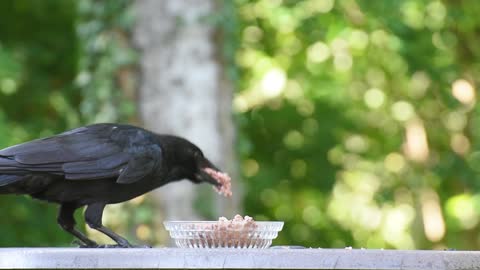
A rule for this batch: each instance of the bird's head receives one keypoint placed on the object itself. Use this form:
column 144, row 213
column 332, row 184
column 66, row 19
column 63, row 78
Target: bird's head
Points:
column 193, row 165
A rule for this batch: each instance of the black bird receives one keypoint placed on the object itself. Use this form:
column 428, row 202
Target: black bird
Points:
column 97, row 165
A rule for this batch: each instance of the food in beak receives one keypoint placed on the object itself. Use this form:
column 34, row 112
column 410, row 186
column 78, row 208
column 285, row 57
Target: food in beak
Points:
column 224, row 181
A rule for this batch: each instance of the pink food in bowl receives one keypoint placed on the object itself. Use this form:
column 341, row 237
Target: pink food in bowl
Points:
column 236, row 232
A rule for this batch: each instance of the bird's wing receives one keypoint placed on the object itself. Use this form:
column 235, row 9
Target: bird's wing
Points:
column 87, row 153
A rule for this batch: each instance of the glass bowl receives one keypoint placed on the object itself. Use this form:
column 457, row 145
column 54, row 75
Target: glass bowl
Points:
column 211, row 234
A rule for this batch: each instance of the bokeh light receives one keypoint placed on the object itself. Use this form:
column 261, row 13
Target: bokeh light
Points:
column 463, row 91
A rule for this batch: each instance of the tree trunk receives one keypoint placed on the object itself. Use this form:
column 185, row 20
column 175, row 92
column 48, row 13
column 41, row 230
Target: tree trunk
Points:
column 183, row 91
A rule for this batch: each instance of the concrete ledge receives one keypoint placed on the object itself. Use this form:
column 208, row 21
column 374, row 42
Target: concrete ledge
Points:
column 175, row 258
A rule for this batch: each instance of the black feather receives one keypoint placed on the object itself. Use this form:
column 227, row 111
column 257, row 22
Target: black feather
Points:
column 9, row 179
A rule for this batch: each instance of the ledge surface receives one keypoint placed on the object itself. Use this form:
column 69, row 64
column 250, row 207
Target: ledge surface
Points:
column 176, row 258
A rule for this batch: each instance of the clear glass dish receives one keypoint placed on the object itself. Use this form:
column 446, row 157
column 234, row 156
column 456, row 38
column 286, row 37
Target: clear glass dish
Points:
column 211, row 234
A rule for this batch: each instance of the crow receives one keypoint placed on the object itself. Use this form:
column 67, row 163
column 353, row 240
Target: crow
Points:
column 101, row 164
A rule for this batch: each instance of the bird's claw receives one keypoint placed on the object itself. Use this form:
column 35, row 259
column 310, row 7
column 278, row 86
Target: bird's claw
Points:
column 95, row 245
column 123, row 246
column 111, row 246
column 83, row 245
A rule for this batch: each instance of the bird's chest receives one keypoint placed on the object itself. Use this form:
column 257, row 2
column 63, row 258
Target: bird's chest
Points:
column 116, row 193
column 124, row 192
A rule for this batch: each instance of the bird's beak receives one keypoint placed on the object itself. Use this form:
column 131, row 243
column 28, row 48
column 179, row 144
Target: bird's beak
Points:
column 202, row 175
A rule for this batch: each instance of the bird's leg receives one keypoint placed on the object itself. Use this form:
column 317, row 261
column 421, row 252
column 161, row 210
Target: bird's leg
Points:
column 66, row 220
column 93, row 217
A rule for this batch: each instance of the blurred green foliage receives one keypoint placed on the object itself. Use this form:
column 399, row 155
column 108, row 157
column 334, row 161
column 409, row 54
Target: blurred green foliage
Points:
column 105, row 65
column 357, row 120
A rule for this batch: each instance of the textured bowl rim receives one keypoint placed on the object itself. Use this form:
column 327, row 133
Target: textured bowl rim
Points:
column 261, row 224
column 216, row 221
